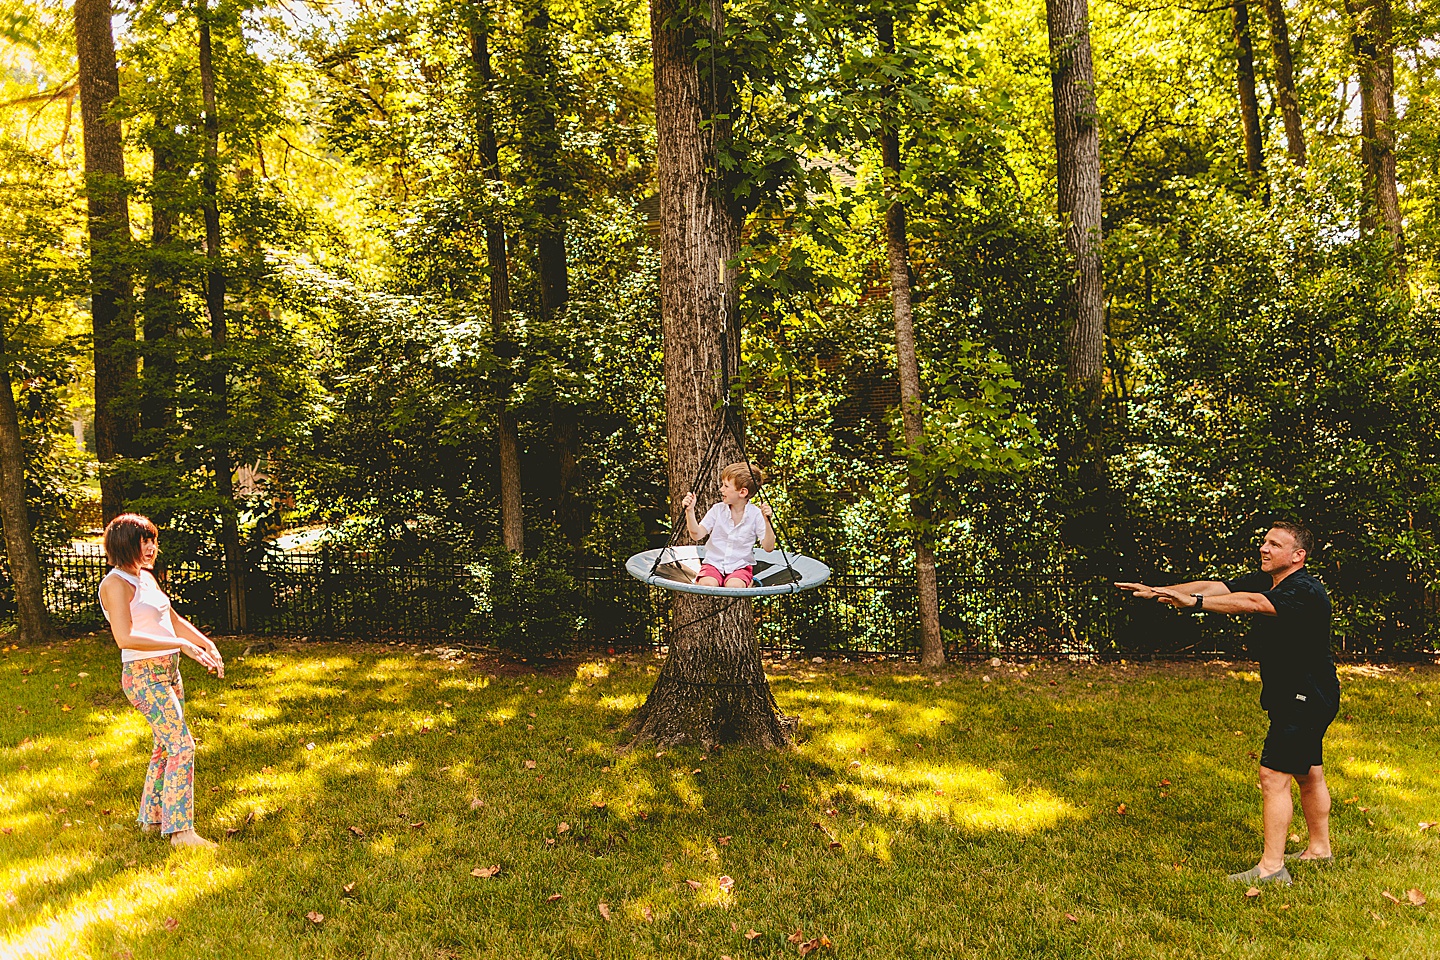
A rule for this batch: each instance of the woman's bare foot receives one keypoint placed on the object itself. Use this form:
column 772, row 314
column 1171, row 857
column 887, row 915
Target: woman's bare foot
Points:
column 189, row 838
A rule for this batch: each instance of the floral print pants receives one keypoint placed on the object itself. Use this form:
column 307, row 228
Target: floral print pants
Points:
column 154, row 687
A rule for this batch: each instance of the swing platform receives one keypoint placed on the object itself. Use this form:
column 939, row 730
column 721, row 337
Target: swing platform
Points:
column 776, row 572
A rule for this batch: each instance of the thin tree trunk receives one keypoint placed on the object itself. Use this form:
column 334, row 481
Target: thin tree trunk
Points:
column 112, row 309
column 1245, row 82
column 1077, row 172
column 541, row 146
column 1285, row 80
column 215, row 307
column 712, row 688
column 912, row 401
column 512, row 517
column 21, row 556
column 1374, row 43
column 161, row 306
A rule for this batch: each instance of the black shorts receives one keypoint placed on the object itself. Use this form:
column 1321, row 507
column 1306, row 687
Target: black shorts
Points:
column 1295, row 743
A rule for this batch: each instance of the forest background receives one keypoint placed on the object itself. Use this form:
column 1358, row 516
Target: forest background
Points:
column 399, row 261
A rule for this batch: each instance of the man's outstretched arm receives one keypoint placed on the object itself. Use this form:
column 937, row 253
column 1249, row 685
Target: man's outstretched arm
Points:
column 1182, row 599
column 1208, row 588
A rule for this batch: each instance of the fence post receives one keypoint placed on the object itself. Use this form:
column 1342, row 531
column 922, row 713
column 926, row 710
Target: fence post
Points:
column 327, row 610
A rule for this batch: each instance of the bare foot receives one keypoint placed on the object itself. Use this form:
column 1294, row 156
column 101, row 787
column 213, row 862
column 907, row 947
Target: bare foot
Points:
column 189, row 838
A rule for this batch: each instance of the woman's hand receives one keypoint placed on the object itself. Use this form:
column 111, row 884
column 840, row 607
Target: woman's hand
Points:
column 210, row 661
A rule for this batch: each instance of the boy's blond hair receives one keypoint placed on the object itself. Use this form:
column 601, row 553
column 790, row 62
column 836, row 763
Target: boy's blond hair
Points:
column 744, row 476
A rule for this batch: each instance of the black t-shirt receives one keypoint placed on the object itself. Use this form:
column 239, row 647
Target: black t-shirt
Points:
column 1293, row 647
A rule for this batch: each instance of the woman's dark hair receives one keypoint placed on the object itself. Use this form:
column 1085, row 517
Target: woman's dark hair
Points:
column 123, row 537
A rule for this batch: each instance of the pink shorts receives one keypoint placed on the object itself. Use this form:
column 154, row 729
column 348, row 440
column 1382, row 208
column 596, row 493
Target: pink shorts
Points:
column 745, row 573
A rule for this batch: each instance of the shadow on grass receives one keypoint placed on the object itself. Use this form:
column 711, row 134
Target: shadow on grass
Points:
column 399, row 773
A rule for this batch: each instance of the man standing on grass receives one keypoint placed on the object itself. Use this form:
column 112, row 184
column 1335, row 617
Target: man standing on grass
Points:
column 1290, row 636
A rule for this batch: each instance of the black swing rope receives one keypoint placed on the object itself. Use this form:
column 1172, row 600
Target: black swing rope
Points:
column 729, row 421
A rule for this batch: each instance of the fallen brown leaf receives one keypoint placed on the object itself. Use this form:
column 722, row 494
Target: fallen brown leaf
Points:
column 797, row 937
column 94, row 764
column 1415, row 896
column 809, row 946
column 529, row 764
column 349, row 887
column 728, row 884
column 1072, row 918
column 694, row 884
column 417, row 824
column 751, row 934
column 1120, row 809
column 648, row 914
column 357, row 831
column 552, row 898
column 315, row 918
column 485, row 872
column 724, row 841
column 171, row 923
column 476, row 804
column 1389, row 896
column 563, row 828
column 1253, row 892
column 604, row 910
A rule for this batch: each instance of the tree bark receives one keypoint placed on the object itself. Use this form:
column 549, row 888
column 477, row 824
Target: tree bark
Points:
column 215, row 307
column 512, row 517
column 1245, row 83
column 21, row 556
column 161, row 305
column 1285, row 81
column 1374, row 44
column 1077, row 172
column 112, row 294
column 712, row 688
column 912, row 401
column 542, row 149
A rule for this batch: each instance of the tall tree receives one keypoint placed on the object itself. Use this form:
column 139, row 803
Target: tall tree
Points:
column 912, row 401
column 712, row 688
column 161, row 305
column 21, row 557
column 1077, row 174
column 215, row 308
column 1285, row 80
column 512, row 518
column 1245, row 83
column 111, row 285
column 1372, row 36
column 540, row 146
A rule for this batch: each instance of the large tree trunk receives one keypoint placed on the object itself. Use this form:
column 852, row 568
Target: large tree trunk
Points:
column 215, row 307
column 1077, row 172
column 712, row 688
column 512, row 517
column 912, row 401
column 162, row 304
column 21, row 556
column 112, row 310
column 1285, row 80
column 1374, row 44
column 1245, row 83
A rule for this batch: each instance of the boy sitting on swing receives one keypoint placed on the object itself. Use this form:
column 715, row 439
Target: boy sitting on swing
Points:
column 733, row 526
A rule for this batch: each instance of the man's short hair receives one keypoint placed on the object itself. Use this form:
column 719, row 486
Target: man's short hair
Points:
column 1304, row 539
column 745, row 476
column 123, row 537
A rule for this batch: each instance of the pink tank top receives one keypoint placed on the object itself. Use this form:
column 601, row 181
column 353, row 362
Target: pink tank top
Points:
column 149, row 612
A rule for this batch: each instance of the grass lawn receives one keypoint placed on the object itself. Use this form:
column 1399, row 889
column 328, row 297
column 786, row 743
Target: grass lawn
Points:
column 940, row 816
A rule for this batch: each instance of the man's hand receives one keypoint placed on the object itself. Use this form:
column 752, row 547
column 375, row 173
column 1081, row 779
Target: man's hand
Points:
column 1173, row 598
column 1139, row 590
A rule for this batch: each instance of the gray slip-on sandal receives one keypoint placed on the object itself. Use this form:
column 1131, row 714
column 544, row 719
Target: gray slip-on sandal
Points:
column 1281, row 876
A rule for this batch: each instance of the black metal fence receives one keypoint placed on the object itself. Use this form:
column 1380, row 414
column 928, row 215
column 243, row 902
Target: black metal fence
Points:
column 330, row 595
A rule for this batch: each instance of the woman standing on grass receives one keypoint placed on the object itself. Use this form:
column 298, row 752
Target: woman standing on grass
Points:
column 151, row 636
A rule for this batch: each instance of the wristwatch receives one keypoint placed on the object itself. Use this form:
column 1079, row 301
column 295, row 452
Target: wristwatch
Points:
column 1199, row 603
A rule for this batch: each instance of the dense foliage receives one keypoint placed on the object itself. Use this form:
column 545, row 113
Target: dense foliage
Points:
column 1268, row 352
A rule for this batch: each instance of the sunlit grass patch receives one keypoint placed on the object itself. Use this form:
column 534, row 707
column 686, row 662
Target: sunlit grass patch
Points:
column 918, row 815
